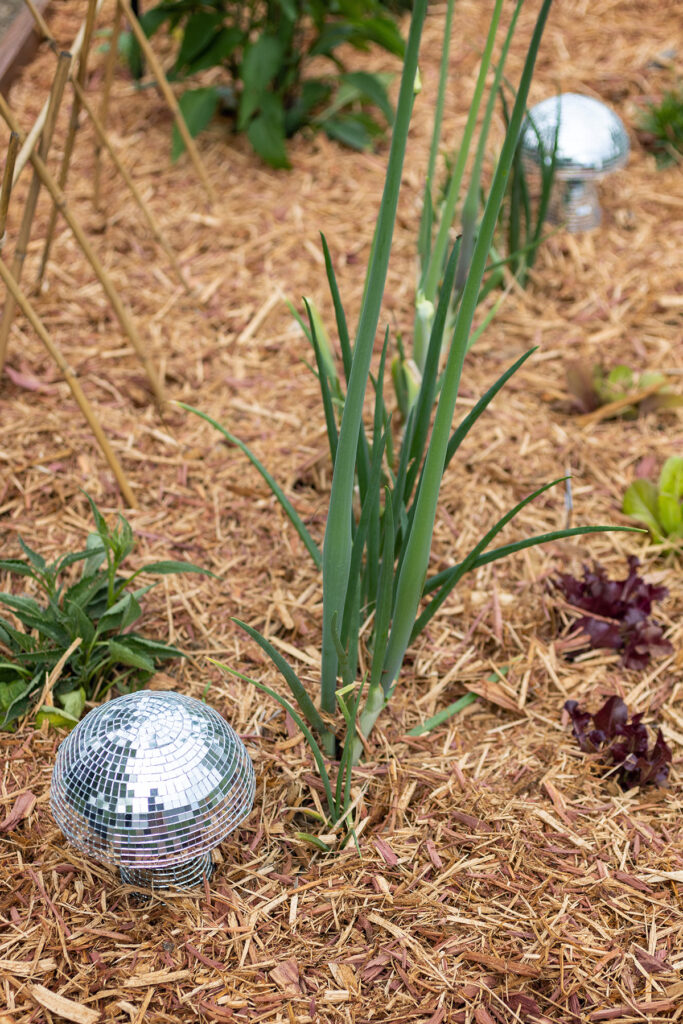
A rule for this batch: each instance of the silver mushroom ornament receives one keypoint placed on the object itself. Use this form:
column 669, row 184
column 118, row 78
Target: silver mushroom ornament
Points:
column 150, row 783
column 591, row 143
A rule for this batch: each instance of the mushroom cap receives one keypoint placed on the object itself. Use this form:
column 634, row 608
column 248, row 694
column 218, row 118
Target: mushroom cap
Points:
column 150, row 780
column 591, row 139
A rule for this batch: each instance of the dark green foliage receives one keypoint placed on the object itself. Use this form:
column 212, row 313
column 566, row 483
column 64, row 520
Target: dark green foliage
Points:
column 266, row 50
column 98, row 608
column 661, row 128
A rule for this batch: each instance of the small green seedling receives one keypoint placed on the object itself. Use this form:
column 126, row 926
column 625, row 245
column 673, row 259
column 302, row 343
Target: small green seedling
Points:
column 594, row 388
column 89, row 620
column 659, row 506
column 660, row 128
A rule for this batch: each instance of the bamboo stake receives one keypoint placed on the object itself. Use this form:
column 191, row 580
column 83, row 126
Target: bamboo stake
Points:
column 70, row 136
column 144, row 209
column 24, row 304
column 41, row 25
column 6, row 187
column 169, row 96
column 55, row 99
column 30, row 140
column 120, row 310
column 104, row 104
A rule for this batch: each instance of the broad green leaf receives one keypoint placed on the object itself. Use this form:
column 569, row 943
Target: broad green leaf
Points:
column 36, row 560
column 261, row 62
column 222, row 46
column 11, row 691
column 81, row 624
column 372, row 88
column 100, row 521
column 266, row 132
column 73, row 702
column 123, row 653
column 669, row 509
column 348, row 130
column 154, row 648
column 640, row 502
column 197, row 107
column 199, row 34
column 26, row 608
column 122, row 614
column 58, row 719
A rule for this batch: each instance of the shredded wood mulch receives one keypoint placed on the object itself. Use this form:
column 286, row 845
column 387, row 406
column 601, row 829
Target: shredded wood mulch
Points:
column 502, row 875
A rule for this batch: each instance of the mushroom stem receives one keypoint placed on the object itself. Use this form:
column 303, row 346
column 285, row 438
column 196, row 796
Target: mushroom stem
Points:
column 575, row 204
column 187, row 875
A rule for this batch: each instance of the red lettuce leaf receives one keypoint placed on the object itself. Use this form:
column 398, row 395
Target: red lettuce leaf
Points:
column 618, row 613
column 622, row 743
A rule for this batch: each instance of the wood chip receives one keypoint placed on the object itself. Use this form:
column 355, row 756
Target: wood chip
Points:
column 65, row 1008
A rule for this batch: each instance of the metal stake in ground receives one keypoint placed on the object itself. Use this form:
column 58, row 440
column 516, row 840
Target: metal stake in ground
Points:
column 121, row 311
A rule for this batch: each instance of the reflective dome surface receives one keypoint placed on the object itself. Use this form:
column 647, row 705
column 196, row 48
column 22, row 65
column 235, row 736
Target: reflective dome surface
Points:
column 152, row 780
column 591, row 140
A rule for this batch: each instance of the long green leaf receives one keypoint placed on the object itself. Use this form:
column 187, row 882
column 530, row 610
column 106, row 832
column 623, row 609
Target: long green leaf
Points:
column 323, row 382
column 309, row 543
column 337, row 544
column 454, row 573
column 414, row 567
column 464, row 427
column 308, row 708
column 308, row 735
column 432, row 271
column 442, row 716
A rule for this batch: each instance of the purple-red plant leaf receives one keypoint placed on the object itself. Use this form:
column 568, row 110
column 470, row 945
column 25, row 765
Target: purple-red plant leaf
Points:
column 622, row 743
column 617, row 613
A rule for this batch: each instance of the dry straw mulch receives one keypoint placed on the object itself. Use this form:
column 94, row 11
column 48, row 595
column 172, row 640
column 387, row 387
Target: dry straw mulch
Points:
column 502, row 876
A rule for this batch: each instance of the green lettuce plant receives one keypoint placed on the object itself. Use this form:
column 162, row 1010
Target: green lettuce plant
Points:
column 98, row 609
column 377, row 590
column 659, row 505
column 594, row 387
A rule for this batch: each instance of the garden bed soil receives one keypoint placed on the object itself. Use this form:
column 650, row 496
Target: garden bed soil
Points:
column 502, row 875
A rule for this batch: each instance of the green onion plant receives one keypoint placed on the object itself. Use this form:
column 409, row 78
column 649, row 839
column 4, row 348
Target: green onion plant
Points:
column 377, row 591
column 523, row 219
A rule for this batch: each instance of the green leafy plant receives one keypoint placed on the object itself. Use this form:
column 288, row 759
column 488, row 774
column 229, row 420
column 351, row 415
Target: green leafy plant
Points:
column 592, row 388
column 660, row 128
column 88, row 619
column 267, row 50
column 383, row 501
column 659, row 505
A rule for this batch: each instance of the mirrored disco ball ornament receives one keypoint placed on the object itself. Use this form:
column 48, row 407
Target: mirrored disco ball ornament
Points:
column 591, row 142
column 151, row 783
